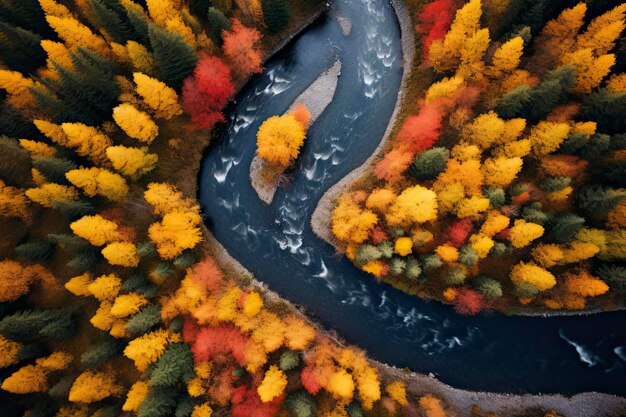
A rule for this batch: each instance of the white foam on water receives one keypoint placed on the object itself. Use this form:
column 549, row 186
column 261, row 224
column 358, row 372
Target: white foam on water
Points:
column 585, row 355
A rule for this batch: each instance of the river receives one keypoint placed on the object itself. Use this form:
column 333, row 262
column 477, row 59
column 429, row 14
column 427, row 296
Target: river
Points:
column 487, row 352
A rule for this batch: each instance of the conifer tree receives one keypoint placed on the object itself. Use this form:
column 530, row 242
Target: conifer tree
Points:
column 275, row 14
column 73, row 209
column 429, row 164
column 114, row 19
column 15, row 163
column 598, row 198
column 175, row 365
column 302, row 404
column 32, row 325
column 100, row 352
column 144, row 321
column 563, row 229
column 34, row 251
column 613, row 275
column 605, row 107
column 20, row 49
column 175, row 59
column 160, row 402
column 54, row 169
column 218, row 23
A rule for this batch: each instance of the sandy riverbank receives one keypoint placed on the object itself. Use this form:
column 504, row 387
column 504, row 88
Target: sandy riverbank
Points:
column 316, row 98
column 320, row 220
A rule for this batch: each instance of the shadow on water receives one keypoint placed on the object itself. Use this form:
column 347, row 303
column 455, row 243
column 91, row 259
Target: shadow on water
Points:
column 486, row 352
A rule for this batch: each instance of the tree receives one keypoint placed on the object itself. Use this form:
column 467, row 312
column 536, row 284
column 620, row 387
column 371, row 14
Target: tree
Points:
column 13, row 202
column 240, row 49
column 434, row 22
column 87, row 141
column 175, row 233
column 350, row 223
column 9, row 352
column 114, row 20
column 48, row 194
column 429, row 164
column 91, row 386
column 54, row 169
column 127, row 304
column 279, row 140
column 393, row 165
column 175, row 365
column 275, row 14
column 148, row 348
column 122, row 254
column 175, row 59
column 531, row 274
column 546, row 137
column 100, row 352
column 99, row 181
column 76, row 35
column 613, row 275
column 147, row 318
column 414, row 205
column 136, row 124
column 273, row 384
column 159, row 402
column 105, row 287
column 397, row 391
column 507, row 57
column 136, row 396
column 598, row 198
column 15, row 163
column 488, row 287
column 419, row 132
column 34, row 251
column 20, row 48
column 162, row 99
column 340, row 385
column 132, row 162
column 301, row 404
column 431, row 406
column 590, row 70
column 289, row 360
column 523, row 232
column 15, row 280
column 164, row 199
column 26, row 380
column 584, row 284
column 207, row 92
column 47, row 325
column 500, row 172
column 96, row 230
column 246, row 402
column 217, row 24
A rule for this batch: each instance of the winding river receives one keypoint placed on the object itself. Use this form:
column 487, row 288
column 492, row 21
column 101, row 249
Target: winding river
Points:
column 488, row 352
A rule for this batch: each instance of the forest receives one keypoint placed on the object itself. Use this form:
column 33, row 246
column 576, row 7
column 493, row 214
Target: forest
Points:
column 501, row 188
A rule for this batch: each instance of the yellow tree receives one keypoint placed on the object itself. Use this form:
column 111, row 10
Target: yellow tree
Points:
column 87, row 141
column 486, row 130
column 251, row 9
column 584, row 284
column 176, row 232
column 445, row 54
column 13, row 202
column 142, row 60
column 26, row 380
column 273, row 384
column 52, row 131
column 99, row 181
column 132, row 162
column 546, row 137
column 165, row 198
column 49, row 193
column 79, row 285
column 92, row 386
column 279, row 140
column 472, row 66
column 18, row 89
column 162, row 99
column 76, row 35
column 523, row 232
column 414, row 205
column 590, row 70
column 507, row 57
column 96, row 229
column 603, row 31
column 500, row 172
column 148, row 348
column 15, row 280
column 9, row 352
column 397, row 391
column 531, row 274
column 36, row 148
column 122, row 254
column 136, row 395
column 559, row 35
column 105, row 287
column 137, row 124
column 350, row 222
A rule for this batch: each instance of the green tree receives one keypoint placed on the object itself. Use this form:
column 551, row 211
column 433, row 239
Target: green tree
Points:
column 551, row 184
column 366, row 253
column 113, row 18
column 26, row 14
column 74, row 209
column 563, row 229
column 488, row 287
column 47, row 325
column 174, row 58
column 467, row 255
column 62, row 388
column 430, row 163
column 54, row 169
column 174, row 366
column 598, row 145
column 275, row 14
column 218, row 23
column 100, row 352
column 160, row 402
column 300, row 404
column 34, row 251
column 613, row 275
column 145, row 320
column 20, row 49
column 598, row 198
column 15, row 162
column 289, row 360
column 607, row 108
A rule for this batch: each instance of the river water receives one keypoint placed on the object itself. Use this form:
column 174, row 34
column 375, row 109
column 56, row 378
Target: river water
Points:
column 487, row 352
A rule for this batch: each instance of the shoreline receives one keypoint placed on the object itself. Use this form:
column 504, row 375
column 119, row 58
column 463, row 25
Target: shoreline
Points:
column 320, row 220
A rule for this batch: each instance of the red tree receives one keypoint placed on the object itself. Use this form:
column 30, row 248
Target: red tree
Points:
column 207, row 274
column 458, row 232
column 435, row 20
column 421, row 131
column 393, row 165
column 310, row 381
column 246, row 403
column 468, row 302
column 212, row 341
column 241, row 50
column 206, row 92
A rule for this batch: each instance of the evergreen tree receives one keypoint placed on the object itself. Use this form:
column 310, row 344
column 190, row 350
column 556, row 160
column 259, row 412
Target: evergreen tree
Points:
column 367, row 253
column 145, row 320
column 615, row 174
column 44, row 407
column 34, row 251
column 397, row 266
column 598, row 145
column 496, row 196
column 74, row 209
column 355, row 410
column 100, row 352
column 289, row 360
column 185, row 260
column 140, row 26
column 533, row 214
column 467, row 256
column 174, row 58
column 430, row 163
column 275, row 14
column 70, row 243
column 574, row 143
column 563, row 229
column 607, row 108
column 54, row 169
column 613, row 275
column 218, row 23
column 534, row 103
column 598, row 198
column 414, row 268
column 175, row 365
column 62, row 388
column 488, row 287
column 26, row 14
column 48, row 325
column 186, row 405
column 84, row 261
column 199, row 7
column 300, row 404
column 147, row 250
column 550, row 184
column 160, row 402
column 431, row 262
column 112, row 16
column 20, row 49
column 15, row 162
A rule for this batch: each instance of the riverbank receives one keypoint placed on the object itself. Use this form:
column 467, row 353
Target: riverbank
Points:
column 315, row 98
column 320, row 220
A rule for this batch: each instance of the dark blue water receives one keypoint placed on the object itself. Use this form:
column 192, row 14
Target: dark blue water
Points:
column 485, row 352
